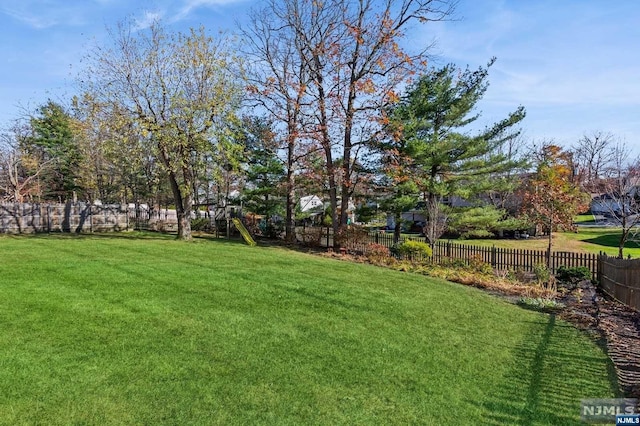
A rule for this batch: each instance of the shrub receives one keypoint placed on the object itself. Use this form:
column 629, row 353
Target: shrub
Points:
column 476, row 233
column 540, row 303
column 352, row 237
column 476, row 264
column 573, row 275
column 544, row 278
column 273, row 230
column 542, row 273
column 412, row 249
column 377, row 253
column 452, row 262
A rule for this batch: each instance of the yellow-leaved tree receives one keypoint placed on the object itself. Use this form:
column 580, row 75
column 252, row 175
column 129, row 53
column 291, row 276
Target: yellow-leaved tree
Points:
column 179, row 92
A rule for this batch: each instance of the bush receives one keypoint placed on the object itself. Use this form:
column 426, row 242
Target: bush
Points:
column 352, row 237
column 544, row 278
column 377, row 253
column 540, row 303
column 451, row 262
column 542, row 273
column 476, row 264
column 476, row 233
column 273, row 230
column 412, row 249
column 573, row 275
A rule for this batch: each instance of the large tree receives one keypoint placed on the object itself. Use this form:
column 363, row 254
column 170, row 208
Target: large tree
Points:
column 278, row 81
column 352, row 65
column 119, row 163
column 265, row 174
column 551, row 197
column 430, row 141
column 19, row 172
column 180, row 92
column 604, row 167
column 52, row 139
column 592, row 155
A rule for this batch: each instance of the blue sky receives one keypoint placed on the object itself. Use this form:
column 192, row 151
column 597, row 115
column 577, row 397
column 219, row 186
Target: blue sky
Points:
column 573, row 64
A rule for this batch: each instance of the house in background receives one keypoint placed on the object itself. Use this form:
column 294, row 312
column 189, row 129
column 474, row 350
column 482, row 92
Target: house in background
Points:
column 315, row 207
column 610, row 204
column 416, row 218
column 311, row 204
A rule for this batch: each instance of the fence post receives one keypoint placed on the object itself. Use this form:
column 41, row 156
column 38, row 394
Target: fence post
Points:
column 599, row 267
column 327, row 237
column 493, row 256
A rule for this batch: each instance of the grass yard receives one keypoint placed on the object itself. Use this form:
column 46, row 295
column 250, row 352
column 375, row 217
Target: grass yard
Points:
column 587, row 239
column 142, row 329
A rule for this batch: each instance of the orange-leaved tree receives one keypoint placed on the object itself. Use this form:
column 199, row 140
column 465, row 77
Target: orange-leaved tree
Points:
column 354, row 58
column 551, row 198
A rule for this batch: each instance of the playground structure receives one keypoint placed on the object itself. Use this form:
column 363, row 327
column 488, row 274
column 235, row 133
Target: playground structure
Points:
column 243, row 231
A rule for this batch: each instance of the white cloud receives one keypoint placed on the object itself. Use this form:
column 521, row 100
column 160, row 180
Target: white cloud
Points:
column 148, row 19
column 190, row 5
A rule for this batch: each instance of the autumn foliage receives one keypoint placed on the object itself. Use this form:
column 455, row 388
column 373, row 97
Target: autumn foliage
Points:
column 551, row 199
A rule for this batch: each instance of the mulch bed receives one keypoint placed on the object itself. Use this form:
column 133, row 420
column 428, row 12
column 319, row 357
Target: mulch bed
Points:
column 618, row 325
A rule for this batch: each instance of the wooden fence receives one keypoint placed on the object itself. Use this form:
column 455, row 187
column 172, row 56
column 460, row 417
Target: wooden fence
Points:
column 20, row 218
column 620, row 279
column 500, row 258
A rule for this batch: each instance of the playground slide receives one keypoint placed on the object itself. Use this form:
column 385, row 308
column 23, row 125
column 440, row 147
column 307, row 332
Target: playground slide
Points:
column 245, row 234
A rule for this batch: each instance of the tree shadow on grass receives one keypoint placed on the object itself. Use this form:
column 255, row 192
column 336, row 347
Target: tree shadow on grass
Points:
column 133, row 235
column 610, row 240
column 551, row 378
column 130, row 235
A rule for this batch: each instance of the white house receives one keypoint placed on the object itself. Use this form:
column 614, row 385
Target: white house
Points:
column 311, row 204
column 314, row 205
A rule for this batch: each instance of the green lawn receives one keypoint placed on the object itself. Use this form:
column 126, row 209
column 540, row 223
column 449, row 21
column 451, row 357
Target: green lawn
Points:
column 585, row 219
column 148, row 330
column 587, row 239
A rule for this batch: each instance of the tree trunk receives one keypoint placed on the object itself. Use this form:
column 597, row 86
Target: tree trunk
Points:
column 333, row 200
column 623, row 240
column 290, row 221
column 549, row 245
column 325, row 140
column 184, row 203
column 436, row 220
column 397, row 228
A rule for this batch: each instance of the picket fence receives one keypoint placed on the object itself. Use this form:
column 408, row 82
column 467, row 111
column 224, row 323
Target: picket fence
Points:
column 619, row 278
column 500, row 258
